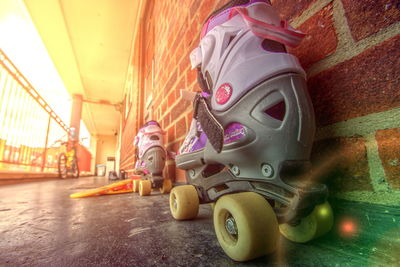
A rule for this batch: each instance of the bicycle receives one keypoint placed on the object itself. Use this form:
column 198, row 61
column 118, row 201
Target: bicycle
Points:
column 68, row 161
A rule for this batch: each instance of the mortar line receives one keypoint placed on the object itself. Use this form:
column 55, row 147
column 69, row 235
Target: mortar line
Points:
column 345, row 38
column 345, row 53
column 385, row 198
column 309, row 12
column 361, row 125
column 376, row 171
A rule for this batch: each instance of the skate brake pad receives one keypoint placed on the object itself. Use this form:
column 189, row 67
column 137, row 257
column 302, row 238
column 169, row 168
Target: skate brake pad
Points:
column 210, row 125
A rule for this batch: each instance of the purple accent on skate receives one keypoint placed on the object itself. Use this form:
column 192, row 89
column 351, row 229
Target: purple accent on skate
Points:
column 233, row 132
column 200, row 143
column 204, row 94
column 150, row 123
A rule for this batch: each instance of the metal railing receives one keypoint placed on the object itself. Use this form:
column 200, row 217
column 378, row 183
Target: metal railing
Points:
column 29, row 127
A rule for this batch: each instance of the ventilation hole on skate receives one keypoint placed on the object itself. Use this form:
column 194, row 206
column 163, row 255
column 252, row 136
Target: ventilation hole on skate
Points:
column 154, row 137
column 230, row 40
column 212, row 169
column 273, row 46
column 277, row 111
column 221, row 187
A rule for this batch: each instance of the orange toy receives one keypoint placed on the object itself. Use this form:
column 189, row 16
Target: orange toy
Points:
column 125, row 186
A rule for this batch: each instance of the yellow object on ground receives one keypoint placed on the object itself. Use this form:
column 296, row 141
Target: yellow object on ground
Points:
column 124, row 186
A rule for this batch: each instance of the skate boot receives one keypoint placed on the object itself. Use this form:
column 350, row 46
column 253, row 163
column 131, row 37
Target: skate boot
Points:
column 249, row 143
column 150, row 160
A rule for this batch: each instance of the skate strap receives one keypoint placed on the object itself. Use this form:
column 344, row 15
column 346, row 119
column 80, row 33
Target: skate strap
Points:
column 284, row 33
column 210, row 125
column 196, row 57
column 222, row 15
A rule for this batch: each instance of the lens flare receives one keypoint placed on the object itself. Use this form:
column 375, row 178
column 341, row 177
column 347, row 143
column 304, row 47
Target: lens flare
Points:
column 348, row 227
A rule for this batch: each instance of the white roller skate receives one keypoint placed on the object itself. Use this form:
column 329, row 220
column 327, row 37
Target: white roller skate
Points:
column 250, row 140
column 151, row 158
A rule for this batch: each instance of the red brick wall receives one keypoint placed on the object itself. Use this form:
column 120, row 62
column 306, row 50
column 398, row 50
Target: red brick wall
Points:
column 351, row 54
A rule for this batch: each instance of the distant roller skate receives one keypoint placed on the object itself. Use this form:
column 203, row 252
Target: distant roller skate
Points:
column 250, row 140
column 150, row 160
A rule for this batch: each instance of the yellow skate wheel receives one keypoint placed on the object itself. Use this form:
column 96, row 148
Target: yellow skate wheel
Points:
column 136, row 185
column 144, row 188
column 184, row 202
column 245, row 225
column 166, row 187
column 317, row 223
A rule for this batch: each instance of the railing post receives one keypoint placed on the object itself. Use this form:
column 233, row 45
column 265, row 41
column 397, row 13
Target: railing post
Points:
column 45, row 145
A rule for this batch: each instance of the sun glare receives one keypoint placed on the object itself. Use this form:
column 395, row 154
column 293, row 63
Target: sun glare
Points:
column 23, row 45
column 21, row 42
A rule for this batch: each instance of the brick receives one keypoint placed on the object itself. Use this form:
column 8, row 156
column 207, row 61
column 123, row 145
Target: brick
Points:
column 370, row 16
column 205, row 10
column 184, row 65
column 189, row 117
column 170, row 134
column 164, row 106
column 342, row 164
column 289, row 9
column 193, row 31
column 166, row 121
column 170, row 172
column 179, row 109
column 367, row 83
column 157, row 101
column 220, row 3
column 178, row 43
column 180, row 176
column 191, row 76
column 171, row 99
column 389, row 151
column 180, row 128
column 320, row 40
column 194, row 7
column 170, row 82
column 180, row 85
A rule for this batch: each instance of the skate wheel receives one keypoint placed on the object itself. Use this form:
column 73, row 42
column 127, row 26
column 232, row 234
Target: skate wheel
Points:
column 317, row 223
column 136, row 186
column 245, row 225
column 184, row 202
column 144, row 188
column 166, row 187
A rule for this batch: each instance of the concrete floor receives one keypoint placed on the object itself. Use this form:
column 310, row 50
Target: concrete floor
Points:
column 41, row 226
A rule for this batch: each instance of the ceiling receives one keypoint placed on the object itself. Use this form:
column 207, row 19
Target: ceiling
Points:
column 90, row 44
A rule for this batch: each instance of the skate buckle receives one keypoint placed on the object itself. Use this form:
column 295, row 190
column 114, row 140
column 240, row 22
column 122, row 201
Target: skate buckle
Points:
column 230, row 226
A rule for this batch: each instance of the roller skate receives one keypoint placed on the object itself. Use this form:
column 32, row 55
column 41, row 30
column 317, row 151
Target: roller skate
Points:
column 150, row 160
column 248, row 147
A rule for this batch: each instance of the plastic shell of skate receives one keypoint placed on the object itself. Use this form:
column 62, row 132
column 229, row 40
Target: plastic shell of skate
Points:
column 257, row 175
